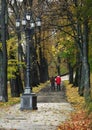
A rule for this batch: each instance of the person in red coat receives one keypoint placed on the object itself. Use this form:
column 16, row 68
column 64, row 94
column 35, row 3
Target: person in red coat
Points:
column 58, row 82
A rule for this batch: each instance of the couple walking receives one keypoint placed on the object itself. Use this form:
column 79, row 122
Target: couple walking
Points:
column 56, row 80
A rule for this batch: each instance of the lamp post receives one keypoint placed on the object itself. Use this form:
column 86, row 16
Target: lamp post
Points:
column 28, row 99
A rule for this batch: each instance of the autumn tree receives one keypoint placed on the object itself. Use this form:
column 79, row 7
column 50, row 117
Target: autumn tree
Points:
column 71, row 15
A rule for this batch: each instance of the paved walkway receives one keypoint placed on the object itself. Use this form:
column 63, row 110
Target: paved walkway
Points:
column 53, row 109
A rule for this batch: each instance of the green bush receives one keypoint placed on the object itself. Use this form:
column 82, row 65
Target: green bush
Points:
column 89, row 104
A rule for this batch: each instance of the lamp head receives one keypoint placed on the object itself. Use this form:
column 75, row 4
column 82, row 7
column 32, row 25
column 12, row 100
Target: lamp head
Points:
column 38, row 22
column 24, row 22
column 28, row 17
column 17, row 23
column 32, row 24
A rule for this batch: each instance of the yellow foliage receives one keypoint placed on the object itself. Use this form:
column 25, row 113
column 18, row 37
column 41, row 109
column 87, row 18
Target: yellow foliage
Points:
column 73, row 97
column 41, row 86
column 12, row 45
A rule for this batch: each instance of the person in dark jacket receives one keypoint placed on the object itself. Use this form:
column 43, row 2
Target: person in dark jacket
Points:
column 52, row 81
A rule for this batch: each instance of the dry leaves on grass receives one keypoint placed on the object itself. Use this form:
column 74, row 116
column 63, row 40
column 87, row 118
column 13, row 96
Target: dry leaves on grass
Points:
column 73, row 97
column 80, row 120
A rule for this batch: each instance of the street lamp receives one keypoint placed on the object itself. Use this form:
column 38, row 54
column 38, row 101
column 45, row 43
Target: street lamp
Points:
column 28, row 99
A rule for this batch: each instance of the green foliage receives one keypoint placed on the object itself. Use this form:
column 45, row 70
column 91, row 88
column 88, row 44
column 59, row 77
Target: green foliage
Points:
column 83, row 10
column 69, row 51
column 13, row 63
column 89, row 104
column 0, row 45
column 12, row 46
column 87, row 9
column 90, row 107
column 64, row 68
column 12, row 68
column 12, row 57
column 90, row 52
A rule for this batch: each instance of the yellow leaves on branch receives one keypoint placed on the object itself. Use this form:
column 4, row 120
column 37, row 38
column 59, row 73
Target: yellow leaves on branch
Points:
column 55, row 50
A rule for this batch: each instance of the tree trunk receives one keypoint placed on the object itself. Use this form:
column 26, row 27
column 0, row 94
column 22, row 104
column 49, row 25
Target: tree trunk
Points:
column 1, row 71
column 58, row 66
column 70, row 73
column 14, row 87
column 85, row 71
column 81, row 84
column 76, row 79
column 4, row 50
column 78, row 71
column 43, row 69
column 86, row 68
